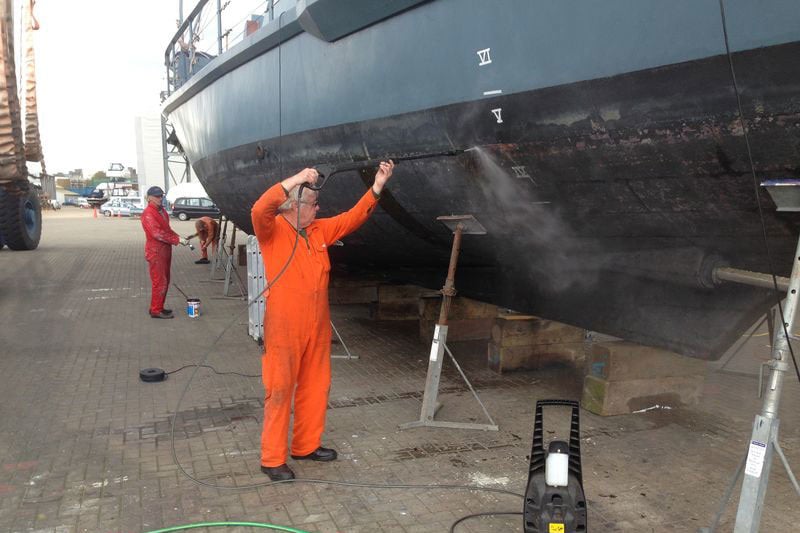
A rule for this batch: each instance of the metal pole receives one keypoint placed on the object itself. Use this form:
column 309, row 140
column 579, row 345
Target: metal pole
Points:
column 448, row 291
column 180, row 12
column 746, row 277
column 765, row 427
column 165, row 151
column 219, row 27
column 191, row 47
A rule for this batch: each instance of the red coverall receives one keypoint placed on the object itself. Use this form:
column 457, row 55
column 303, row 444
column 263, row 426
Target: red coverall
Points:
column 158, row 252
column 208, row 233
column 297, row 327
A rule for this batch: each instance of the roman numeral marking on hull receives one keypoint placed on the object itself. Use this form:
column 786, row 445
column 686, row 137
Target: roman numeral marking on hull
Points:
column 485, row 57
column 520, row 172
column 498, row 114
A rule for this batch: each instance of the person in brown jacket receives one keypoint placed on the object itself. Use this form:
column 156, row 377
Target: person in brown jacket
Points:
column 208, row 233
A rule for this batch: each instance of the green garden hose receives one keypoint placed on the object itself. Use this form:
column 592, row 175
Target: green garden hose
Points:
column 227, row 524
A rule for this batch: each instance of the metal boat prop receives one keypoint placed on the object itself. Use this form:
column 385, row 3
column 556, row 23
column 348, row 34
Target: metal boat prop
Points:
column 599, row 145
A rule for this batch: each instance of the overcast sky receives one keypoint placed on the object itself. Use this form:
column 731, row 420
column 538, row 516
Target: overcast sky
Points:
column 99, row 64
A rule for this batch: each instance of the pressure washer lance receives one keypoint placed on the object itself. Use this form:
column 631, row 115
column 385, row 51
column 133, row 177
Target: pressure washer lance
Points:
column 327, row 170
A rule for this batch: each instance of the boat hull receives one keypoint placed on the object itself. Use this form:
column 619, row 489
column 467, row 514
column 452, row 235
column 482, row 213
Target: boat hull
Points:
column 607, row 201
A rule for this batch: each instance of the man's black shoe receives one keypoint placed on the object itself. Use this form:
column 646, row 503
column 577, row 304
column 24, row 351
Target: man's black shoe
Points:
column 167, row 311
column 202, row 262
column 278, row 473
column 320, row 454
column 162, row 314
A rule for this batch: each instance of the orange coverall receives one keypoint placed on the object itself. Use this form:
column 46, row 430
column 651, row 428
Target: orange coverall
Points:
column 208, row 233
column 297, row 328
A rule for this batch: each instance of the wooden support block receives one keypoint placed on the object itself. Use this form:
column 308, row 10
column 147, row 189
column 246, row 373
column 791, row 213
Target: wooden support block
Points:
column 525, row 330
column 430, row 303
column 353, row 291
column 622, row 361
column 607, row 398
column 398, row 302
column 468, row 319
column 463, row 329
column 533, row 356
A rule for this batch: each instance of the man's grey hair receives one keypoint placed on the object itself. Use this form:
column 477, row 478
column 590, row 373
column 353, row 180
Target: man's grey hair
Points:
column 292, row 198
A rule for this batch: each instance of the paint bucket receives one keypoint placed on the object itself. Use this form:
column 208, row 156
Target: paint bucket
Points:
column 193, row 307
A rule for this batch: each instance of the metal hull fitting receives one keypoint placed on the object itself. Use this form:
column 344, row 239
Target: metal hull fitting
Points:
column 606, row 200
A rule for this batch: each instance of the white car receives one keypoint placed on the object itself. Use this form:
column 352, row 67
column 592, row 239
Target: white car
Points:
column 120, row 206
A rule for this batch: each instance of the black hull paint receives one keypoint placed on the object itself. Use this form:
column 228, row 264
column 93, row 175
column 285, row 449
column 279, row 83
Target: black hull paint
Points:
column 632, row 182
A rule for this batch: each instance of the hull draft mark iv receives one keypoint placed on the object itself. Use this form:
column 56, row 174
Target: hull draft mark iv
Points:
column 609, row 168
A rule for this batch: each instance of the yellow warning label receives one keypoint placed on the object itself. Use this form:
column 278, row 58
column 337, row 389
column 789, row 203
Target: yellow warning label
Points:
column 556, row 528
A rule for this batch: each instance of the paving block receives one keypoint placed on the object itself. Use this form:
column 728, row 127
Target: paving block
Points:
column 622, row 361
column 524, row 330
column 607, row 398
column 533, row 356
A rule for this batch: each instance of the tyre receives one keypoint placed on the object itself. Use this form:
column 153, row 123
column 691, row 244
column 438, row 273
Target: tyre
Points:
column 183, row 216
column 106, row 213
column 20, row 217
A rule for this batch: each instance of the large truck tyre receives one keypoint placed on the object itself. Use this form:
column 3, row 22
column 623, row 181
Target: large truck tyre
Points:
column 20, row 218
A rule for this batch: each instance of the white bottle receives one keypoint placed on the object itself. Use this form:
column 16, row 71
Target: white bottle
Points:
column 556, row 468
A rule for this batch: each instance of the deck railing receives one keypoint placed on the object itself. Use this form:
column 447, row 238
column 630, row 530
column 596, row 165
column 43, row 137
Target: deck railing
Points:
column 195, row 43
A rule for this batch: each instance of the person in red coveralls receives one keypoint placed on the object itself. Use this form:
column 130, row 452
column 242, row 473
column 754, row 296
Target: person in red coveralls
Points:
column 158, row 250
column 297, row 326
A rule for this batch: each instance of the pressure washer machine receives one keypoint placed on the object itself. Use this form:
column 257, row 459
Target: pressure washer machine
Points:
column 554, row 498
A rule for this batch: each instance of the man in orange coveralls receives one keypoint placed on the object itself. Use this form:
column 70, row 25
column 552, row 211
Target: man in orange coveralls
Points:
column 158, row 250
column 208, row 233
column 297, row 326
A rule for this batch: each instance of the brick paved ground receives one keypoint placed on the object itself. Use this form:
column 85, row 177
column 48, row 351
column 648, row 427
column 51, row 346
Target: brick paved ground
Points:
column 85, row 446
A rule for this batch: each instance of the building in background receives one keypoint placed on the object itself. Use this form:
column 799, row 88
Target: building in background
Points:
column 150, row 156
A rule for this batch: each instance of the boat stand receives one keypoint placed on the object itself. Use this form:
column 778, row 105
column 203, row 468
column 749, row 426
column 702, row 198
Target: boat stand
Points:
column 460, row 225
column 763, row 443
column 347, row 355
column 231, row 277
column 221, row 256
column 231, row 272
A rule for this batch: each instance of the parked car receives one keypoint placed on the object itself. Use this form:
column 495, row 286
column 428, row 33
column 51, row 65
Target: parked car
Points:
column 185, row 208
column 137, row 210
column 83, row 203
column 120, row 206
